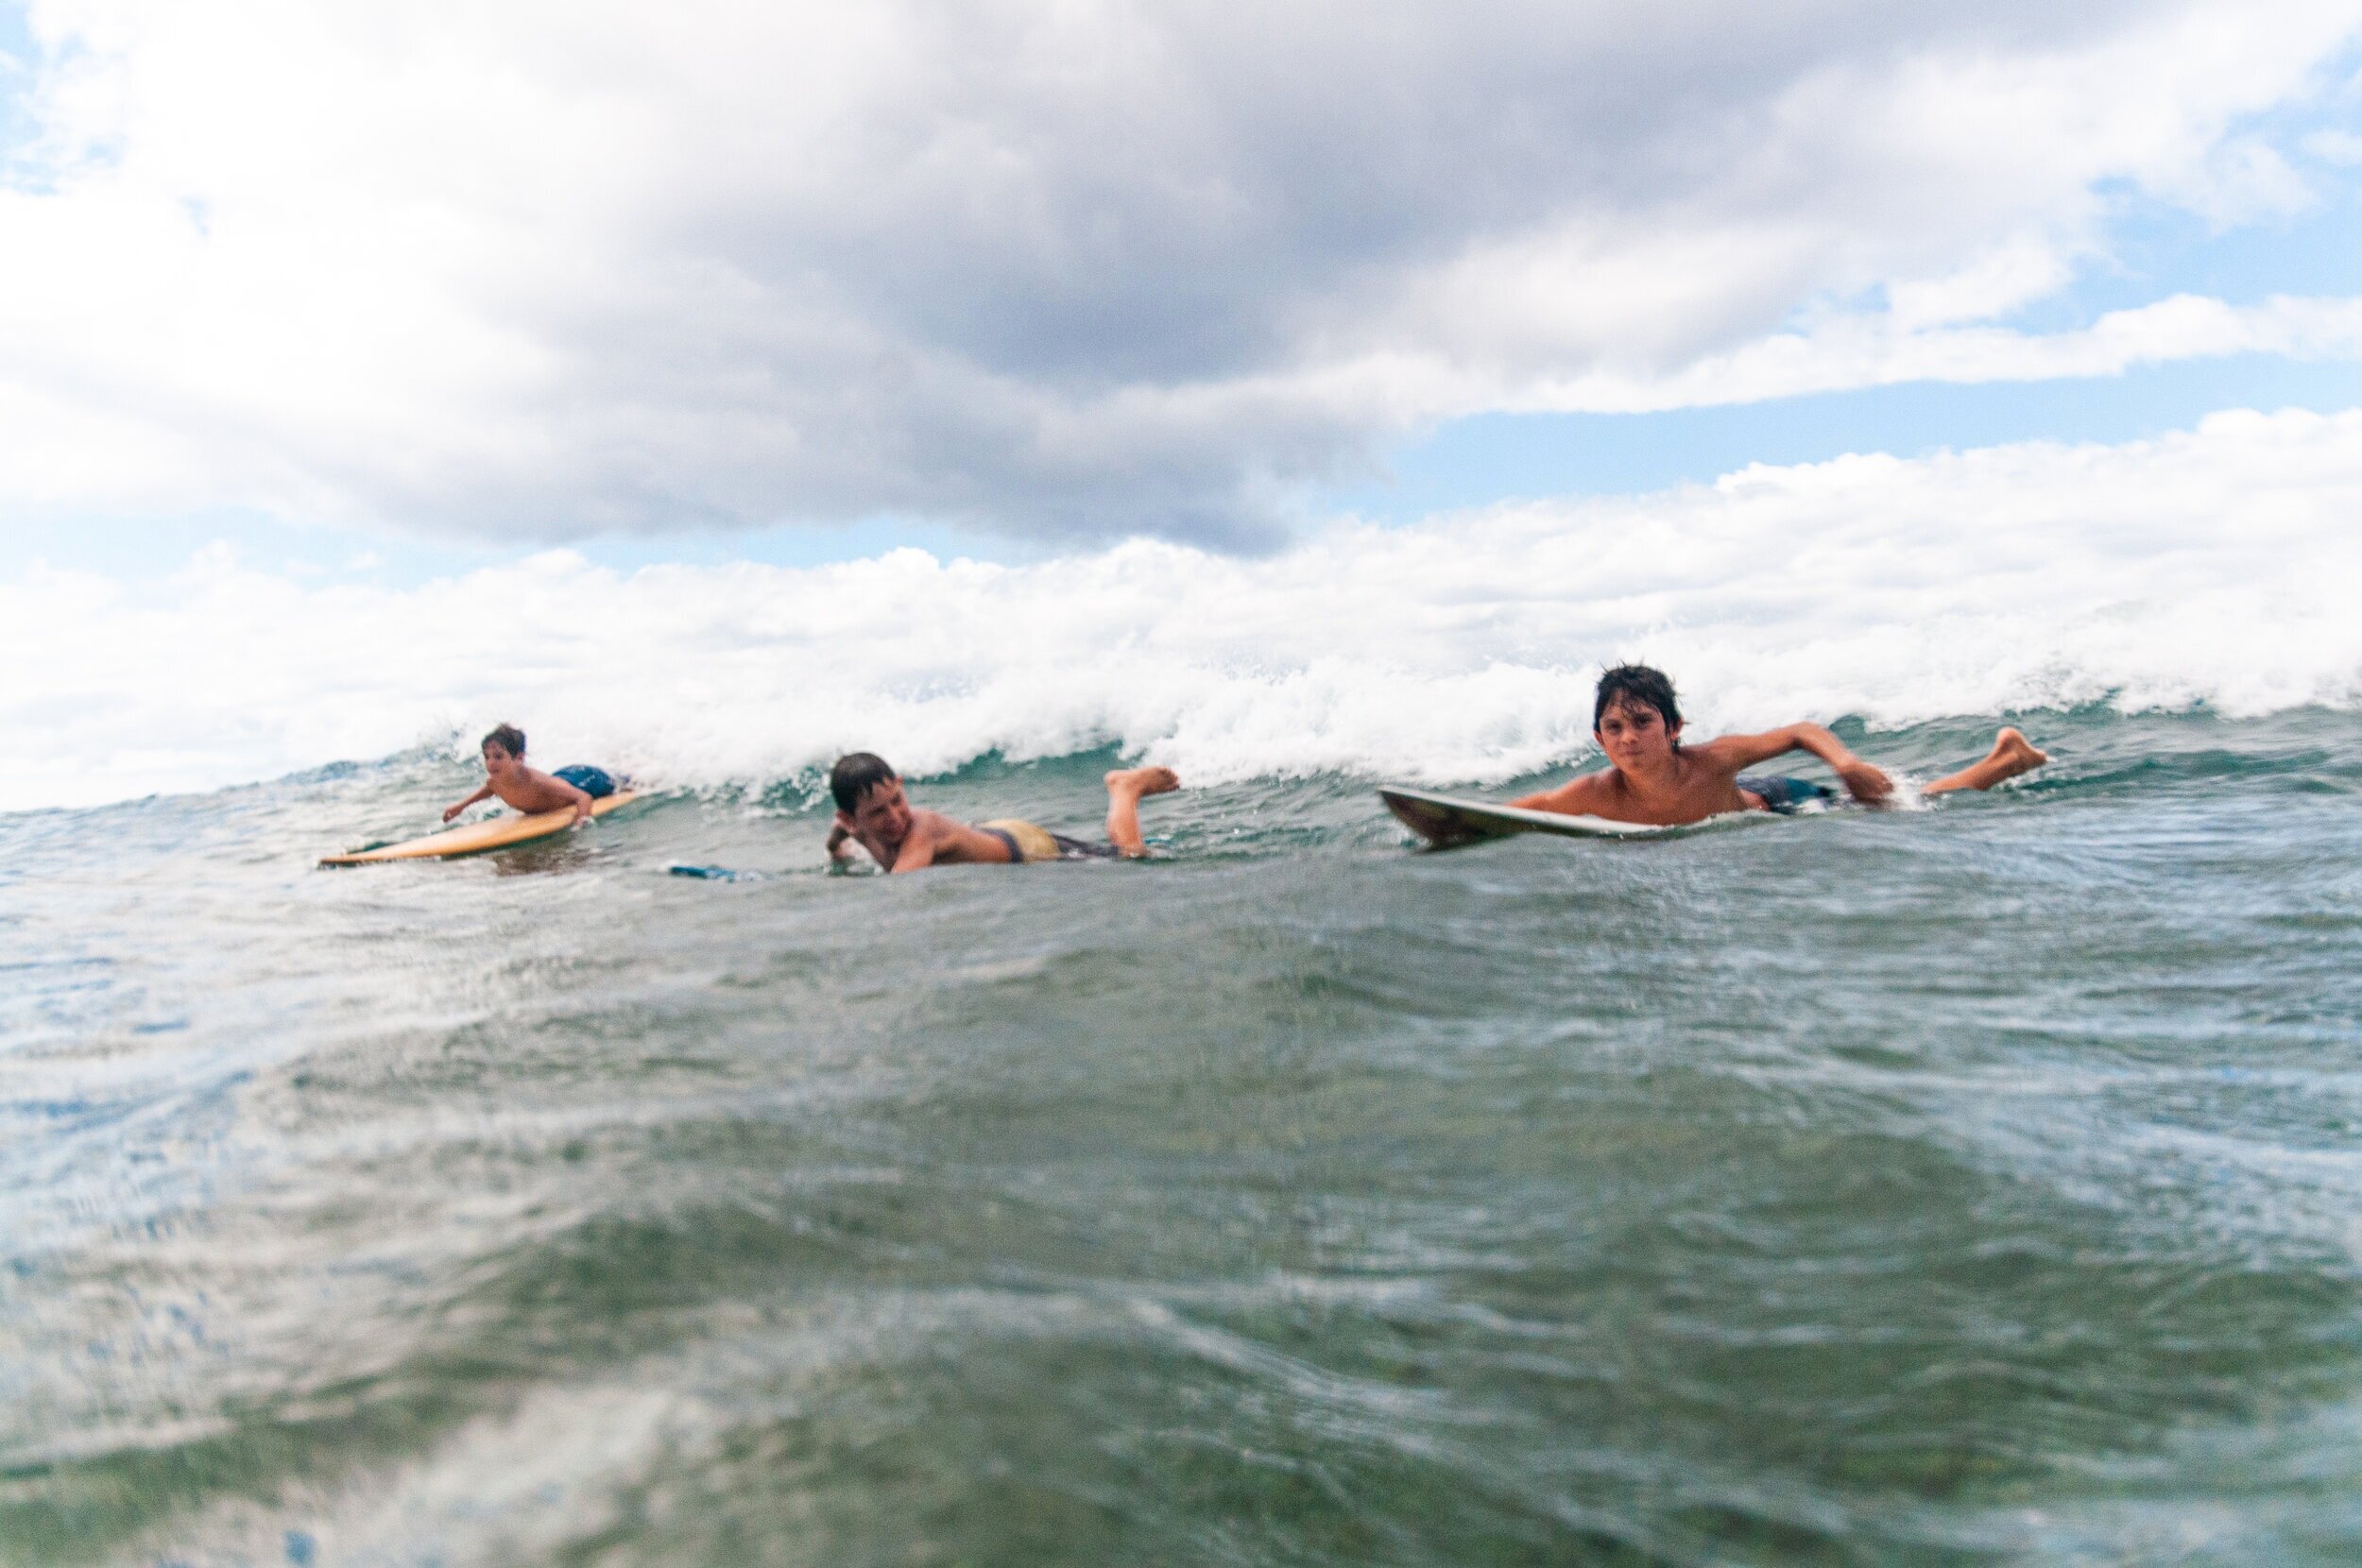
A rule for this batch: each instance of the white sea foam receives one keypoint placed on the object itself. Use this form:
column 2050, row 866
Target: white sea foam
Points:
column 2213, row 566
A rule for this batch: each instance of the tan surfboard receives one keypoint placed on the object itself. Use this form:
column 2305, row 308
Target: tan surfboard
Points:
column 476, row 837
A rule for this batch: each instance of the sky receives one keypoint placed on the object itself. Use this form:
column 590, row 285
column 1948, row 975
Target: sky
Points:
column 796, row 283
column 384, row 295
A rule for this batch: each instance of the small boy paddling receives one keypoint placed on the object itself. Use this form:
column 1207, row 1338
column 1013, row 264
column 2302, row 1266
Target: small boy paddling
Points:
column 529, row 790
column 872, row 811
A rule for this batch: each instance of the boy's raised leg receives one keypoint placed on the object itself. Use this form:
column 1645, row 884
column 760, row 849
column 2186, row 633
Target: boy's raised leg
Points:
column 2011, row 755
column 1125, row 786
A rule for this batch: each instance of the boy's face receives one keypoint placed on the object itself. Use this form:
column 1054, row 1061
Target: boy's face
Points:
column 1635, row 735
column 881, row 814
column 497, row 760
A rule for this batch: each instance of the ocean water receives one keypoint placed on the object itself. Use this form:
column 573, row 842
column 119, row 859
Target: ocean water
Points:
column 1972, row 1185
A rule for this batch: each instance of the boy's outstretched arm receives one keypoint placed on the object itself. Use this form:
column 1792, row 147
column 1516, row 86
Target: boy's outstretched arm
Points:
column 483, row 793
column 1735, row 752
column 1577, row 797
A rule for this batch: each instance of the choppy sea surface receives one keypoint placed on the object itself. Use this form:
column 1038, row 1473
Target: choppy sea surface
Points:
column 1973, row 1185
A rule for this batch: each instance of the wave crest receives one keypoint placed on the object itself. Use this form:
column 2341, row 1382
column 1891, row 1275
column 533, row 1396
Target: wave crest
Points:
column 2210, row 568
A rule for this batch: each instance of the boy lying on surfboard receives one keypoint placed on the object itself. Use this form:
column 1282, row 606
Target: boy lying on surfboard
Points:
column 872, row 811
column 1652, row 778
column 529, row 790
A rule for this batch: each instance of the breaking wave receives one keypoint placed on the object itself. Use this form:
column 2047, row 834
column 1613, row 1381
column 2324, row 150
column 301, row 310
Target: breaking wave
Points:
column 2210, row 567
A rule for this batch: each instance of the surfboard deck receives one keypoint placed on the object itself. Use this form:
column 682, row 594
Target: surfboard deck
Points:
column 476, row 837
column 1447, row 819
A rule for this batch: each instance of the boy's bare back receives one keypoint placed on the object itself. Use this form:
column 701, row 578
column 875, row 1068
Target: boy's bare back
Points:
column 532, row 791
column 934, row 839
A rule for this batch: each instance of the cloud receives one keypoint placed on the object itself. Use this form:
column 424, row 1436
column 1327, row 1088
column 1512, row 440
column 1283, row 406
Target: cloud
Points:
column 1854, row 352
column 537, row 270
column 2341, row 147
column 2211, row 565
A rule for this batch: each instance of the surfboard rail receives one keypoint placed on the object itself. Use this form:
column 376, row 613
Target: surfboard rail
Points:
column 474, row 838
column 1444, row 820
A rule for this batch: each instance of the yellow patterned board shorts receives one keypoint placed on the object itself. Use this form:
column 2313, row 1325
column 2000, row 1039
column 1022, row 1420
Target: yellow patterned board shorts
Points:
column 1028, row 843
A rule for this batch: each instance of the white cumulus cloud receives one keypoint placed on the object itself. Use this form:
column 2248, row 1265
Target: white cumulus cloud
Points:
column 539, row 269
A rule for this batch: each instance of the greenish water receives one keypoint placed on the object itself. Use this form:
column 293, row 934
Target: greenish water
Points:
column 1978, row 1185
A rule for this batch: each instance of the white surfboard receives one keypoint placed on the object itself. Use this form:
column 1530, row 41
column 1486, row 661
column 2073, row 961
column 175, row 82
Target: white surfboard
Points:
column 1445, row 820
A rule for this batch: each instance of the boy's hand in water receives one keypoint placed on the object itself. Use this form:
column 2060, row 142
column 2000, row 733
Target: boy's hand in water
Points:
column 1864, row 782
column 839, row 844
column 450, row 812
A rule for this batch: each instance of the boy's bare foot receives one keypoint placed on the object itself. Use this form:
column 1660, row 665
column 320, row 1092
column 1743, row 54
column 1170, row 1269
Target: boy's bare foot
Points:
column 2011, row 755
column 1125, row 786
column 2014, row 754
column 1137, row 782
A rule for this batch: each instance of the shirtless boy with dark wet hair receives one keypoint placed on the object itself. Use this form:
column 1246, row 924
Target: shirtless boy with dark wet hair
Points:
column 529, row 790
column 872, row 811
column 1652, row 777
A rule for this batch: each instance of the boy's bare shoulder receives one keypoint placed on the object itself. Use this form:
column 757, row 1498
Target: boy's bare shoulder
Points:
column 1591, row 789
column 1580, row 797
column 933, row 824
column 1724, row 753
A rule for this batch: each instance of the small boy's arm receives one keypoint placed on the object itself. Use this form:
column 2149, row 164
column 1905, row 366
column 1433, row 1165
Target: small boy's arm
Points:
column 1744, row 751
column 485, row 793
column 1865, row 782
column 1563, row 799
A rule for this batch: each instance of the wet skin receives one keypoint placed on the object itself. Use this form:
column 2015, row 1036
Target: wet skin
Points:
column 901, row 837
column 523, row 789
column 1652, row 778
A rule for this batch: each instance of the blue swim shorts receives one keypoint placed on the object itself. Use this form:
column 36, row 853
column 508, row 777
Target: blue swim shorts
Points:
column 591, row 781
column 1785, row 796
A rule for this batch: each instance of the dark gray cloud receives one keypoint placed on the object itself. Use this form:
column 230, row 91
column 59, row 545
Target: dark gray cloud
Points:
column 1062, row 272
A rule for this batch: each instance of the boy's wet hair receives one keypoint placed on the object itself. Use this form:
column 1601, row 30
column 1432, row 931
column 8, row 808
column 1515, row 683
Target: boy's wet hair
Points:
column 1635, row 686
column 854, row 775
column 508, row 737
